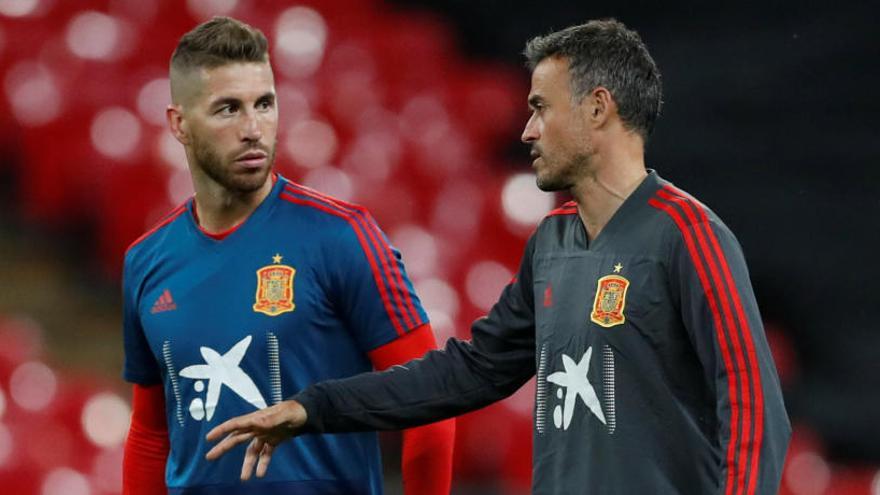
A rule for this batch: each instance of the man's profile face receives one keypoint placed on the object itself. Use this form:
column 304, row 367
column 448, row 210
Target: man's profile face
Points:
column 557, row 129
column 232, row 121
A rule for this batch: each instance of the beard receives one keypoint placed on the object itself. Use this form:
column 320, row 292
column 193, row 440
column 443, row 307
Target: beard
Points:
column 221, row 170
column 563, row 177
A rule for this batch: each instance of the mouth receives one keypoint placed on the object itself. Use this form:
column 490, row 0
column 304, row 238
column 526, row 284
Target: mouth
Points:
column 536, row 155
column 535, row 158
column 252, row 159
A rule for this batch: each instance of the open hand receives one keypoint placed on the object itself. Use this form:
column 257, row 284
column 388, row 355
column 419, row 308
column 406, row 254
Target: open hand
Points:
column 265, row 429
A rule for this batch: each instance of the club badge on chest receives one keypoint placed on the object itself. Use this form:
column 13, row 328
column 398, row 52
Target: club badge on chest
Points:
column 275, row 288
column 610, row 300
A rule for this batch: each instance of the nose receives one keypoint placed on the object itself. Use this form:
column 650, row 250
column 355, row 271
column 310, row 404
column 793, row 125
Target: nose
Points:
column 250, row 127
column 530, row 134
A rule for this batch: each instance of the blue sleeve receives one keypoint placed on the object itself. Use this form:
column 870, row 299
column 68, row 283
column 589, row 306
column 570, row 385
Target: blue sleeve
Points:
column 140, row 365
column 372, row 290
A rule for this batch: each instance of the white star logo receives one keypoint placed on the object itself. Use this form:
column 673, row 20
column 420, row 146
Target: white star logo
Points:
column 574, row 379
column 223, row 370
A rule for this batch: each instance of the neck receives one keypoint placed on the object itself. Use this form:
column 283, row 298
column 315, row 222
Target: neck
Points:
column 220, row 209
column 600, row 193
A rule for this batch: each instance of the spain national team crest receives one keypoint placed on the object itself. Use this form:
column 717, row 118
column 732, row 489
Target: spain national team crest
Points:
column 610, row 301
column 275, row 288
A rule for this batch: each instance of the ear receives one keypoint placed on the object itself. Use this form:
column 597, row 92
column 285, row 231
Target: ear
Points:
column 600, row 106
column 177, row 123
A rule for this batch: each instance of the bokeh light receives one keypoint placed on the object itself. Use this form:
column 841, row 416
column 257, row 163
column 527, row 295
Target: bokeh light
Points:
column 18, row 8
column 300, row 41
column 95, row 36
column 331, row 181
column 373, row 155
column 105, row 419
column 807, row 474
column 115, row 132
column 523, row 203
column 420, row 248
column 32, row 385
column 65, row 481
column 311, row 143
column 106, row 474
column 32, row 90
column 458, row 209
column 484, row 283
column 152, row 100
column 170, row 150
column 437, row 295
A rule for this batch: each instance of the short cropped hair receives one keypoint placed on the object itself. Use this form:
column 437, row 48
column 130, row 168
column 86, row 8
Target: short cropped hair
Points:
column 606, row 53
column 217, row 42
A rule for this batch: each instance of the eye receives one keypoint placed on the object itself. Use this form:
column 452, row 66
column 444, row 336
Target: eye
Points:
column 228, row 109
column 265, row 104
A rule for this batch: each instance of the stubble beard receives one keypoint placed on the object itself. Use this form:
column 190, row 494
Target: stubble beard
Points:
column 221, row 171
column 565, row 177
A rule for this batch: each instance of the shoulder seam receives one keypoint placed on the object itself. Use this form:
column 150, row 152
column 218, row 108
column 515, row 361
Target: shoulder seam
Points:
column 170, row 217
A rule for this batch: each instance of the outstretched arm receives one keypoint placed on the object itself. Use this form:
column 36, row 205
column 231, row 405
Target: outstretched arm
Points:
column 462, row 377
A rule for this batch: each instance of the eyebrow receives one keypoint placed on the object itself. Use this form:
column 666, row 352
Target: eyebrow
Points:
column 224, row 101
column 228, row 100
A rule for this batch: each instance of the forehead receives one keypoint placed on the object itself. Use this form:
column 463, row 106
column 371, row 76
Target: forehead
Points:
column 238, row 80
column 551, row 78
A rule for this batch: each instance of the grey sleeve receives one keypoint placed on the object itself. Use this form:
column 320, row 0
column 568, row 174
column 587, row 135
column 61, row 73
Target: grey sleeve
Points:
column 462, row 377
column 721, row 314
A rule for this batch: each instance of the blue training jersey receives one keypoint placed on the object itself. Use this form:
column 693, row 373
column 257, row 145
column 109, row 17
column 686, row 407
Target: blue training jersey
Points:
column 298, row 293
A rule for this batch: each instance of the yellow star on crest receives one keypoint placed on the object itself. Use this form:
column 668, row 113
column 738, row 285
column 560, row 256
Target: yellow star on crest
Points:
column 277, row 258
column 617, row 268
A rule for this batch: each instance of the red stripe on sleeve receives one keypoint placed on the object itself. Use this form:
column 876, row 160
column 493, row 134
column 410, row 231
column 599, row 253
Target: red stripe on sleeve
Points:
column 744, row 449
column 746, row 336
column 377, row 276
column 722, row 340
column 390, row 268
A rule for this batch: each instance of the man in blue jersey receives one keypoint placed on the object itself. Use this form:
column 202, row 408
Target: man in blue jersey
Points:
column 632, row 305
column 252, row 290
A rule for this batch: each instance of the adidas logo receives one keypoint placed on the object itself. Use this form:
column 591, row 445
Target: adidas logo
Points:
column 548, row 296
column 164, row 303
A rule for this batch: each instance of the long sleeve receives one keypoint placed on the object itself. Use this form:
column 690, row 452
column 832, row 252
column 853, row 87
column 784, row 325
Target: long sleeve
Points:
column 720, row 313
column 146, row 447
column 464, row 376
column 426, row 463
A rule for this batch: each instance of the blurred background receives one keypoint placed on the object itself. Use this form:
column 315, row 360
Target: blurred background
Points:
column 414, row 109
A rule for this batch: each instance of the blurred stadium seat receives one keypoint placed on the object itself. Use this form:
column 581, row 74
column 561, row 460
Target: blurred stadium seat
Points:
column 378, row 107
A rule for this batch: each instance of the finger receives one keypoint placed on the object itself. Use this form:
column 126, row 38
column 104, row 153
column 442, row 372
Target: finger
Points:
column 228, row 443
column 250, row 458
column 265, row 459
column 223, row 429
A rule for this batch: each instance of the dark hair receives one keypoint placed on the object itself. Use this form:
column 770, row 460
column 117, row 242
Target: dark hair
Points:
column 606, row 53
column 217, row 42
